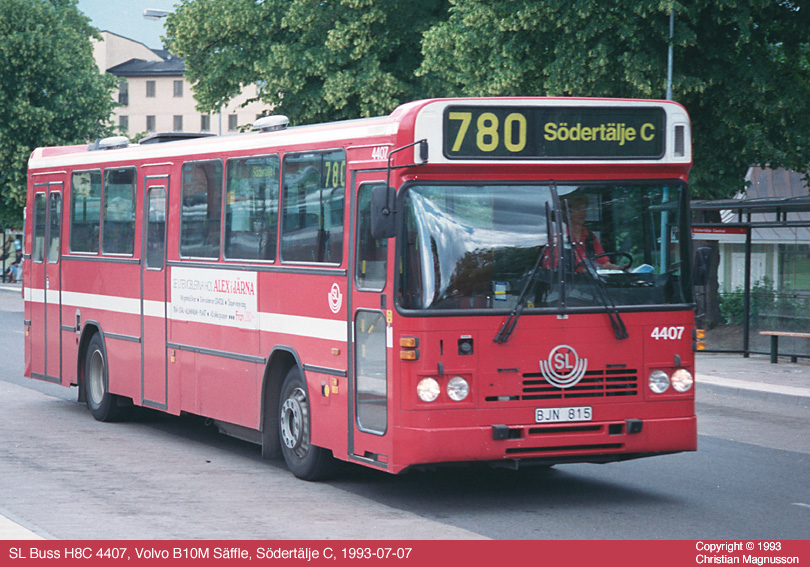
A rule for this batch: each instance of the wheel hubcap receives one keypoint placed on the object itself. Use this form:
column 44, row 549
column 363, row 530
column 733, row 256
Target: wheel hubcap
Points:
column 295, row 423
column 95, row 378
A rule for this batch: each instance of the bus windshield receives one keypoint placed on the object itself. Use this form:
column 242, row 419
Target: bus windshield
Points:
column 546, row 246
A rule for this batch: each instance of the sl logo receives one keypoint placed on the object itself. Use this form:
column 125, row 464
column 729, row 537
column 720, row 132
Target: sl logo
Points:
column 563, row 368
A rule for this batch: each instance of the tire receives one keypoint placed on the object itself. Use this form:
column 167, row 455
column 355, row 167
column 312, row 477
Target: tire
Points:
column 306, row 461
column 102, row 404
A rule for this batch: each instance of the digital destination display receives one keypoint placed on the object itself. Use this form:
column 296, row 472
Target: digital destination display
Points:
column 563, row 132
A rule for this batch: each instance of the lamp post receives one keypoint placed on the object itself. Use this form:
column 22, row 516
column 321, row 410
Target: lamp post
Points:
column 669, row 55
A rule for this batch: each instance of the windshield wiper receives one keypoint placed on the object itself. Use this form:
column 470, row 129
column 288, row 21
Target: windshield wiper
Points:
column 506, row 330
column 619, row 330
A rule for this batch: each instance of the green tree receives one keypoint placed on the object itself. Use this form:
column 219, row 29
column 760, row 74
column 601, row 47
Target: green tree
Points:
column 742, row 68
column 315, row 60
column 51, row 92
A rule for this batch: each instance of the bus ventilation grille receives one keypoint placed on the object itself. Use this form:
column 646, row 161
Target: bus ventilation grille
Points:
column 595, row 384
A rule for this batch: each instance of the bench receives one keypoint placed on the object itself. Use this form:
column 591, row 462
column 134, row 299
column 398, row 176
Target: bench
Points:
column 775, row 342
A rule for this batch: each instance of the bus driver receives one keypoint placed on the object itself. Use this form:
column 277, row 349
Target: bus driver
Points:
column 585, row 243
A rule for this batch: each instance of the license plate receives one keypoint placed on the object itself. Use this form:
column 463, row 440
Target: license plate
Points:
column 556, row 415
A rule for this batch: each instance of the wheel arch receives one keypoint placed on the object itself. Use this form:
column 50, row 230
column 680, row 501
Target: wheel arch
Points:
column 90, row 329
column 279, row 363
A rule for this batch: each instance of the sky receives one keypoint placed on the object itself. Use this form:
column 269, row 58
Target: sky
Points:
column 125, row 17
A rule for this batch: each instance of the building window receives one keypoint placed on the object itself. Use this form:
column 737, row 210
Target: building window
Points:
column 150, row 89
column 205, row 122
column 123, row 124
column 123, row 92
column 178, row 123
column 150, row 123
column 178, row 89
column 232, row 122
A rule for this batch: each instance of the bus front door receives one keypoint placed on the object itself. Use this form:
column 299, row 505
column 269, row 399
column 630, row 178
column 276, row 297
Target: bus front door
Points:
column 154, row 388
column 370, row 405
column 46, row 283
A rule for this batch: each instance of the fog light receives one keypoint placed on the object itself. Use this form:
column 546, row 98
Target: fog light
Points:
column 428, row 390
column 457, row 388
column 682, row 380
column 659, row 381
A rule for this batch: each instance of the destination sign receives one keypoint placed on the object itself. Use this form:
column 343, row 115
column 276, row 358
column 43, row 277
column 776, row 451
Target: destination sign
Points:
column 563, row 132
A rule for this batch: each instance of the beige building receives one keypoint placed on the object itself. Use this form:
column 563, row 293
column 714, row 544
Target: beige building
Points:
column 155, row 96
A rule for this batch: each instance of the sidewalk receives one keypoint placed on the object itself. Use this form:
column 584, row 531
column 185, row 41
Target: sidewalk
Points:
column 11, row 286
column 11, row 530
column 754, row 377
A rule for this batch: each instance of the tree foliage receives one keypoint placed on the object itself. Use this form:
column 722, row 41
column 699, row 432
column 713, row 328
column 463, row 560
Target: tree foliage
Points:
column 741, row 67
column 314, row 60
column 51, row 92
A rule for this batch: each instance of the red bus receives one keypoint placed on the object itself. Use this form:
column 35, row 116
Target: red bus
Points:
column 500, row 280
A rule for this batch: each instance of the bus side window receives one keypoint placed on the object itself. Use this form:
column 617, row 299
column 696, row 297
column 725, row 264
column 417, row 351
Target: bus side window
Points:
column 251, row 208
column 85, row 211
column 118, row 226
column 202, row 209
column 313, row 207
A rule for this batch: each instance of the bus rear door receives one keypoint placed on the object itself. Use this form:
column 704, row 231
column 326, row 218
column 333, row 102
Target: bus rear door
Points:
column 46, row 282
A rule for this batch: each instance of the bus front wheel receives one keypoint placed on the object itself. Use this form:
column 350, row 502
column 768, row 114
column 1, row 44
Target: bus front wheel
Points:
column 306, row 461
column 102, row 404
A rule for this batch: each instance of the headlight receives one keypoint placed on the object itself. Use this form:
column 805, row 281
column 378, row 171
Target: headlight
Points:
column 659, row 381
column 428, row 389
column 457, row 388
column 682, row 380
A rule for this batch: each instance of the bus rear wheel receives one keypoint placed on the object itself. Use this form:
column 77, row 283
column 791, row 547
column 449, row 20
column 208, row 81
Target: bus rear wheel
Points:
column 306, row 461
column 102, row 404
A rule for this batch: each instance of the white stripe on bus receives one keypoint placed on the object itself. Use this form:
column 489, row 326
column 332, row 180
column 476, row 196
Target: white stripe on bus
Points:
column 310, row 327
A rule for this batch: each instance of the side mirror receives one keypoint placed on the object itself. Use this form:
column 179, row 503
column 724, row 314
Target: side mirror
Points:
column 383, row 212
column 703, row 262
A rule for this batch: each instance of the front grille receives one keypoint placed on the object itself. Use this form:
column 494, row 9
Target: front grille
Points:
column 608, row 383
column 595, row 384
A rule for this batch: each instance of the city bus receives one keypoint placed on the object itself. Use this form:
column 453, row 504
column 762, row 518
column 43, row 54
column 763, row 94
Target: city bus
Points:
column 474, row 280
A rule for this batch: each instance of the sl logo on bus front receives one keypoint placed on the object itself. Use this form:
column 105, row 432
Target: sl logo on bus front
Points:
column 563, row 368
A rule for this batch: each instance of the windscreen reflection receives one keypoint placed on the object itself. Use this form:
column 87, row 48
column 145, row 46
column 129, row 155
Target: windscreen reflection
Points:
column 478, row 246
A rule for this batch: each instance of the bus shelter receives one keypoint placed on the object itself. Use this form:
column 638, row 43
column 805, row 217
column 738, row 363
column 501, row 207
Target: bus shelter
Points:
column 755, row 285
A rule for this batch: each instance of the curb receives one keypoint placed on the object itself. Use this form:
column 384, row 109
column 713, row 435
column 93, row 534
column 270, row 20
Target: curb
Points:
column 779, row 394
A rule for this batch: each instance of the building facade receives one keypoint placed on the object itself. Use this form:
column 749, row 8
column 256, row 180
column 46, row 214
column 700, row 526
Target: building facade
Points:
column 156, row 97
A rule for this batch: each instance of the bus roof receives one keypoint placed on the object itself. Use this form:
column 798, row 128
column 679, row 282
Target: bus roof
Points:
column 424, row 119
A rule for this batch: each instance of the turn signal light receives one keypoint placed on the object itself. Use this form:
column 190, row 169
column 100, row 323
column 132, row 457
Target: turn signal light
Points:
column 409, row 348
column 409, row 354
